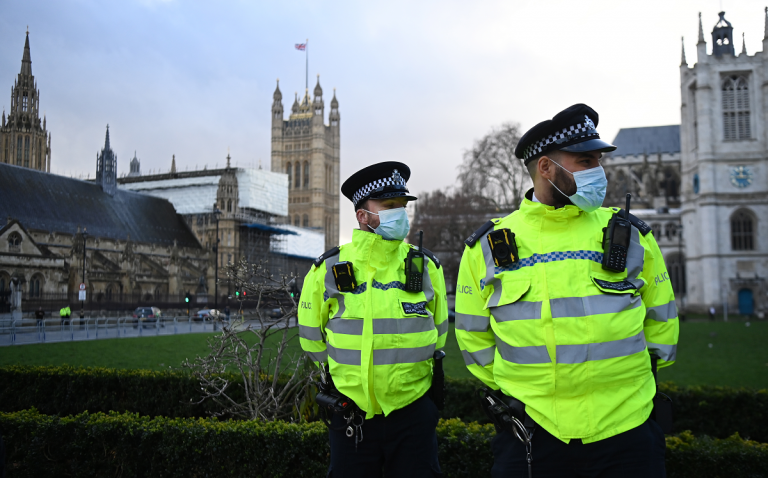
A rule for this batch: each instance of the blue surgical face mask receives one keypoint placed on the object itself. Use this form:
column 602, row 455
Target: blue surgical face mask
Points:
column 393, row 224
column 590, row 188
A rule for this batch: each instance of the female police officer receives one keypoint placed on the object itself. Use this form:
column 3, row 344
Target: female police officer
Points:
column 378, row 332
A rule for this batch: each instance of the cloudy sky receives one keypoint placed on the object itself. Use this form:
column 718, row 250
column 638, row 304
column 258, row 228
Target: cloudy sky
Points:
column 417, row 81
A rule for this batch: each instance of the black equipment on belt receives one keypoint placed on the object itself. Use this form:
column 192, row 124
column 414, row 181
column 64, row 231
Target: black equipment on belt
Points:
column 508, row 413
column 437, row 389
column 331, row 401
column 414, row 267
column 503, row 247
column 616, row 240
column 662, row 404
column 344, row 274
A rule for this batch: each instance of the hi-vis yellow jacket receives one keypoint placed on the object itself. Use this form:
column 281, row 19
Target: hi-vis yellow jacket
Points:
column 557, row 331
column 378, row 339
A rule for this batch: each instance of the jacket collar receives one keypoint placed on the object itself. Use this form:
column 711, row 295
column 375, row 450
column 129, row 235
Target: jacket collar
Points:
column 543, row 211
column 364, row 239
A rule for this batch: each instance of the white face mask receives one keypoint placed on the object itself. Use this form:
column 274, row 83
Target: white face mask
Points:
column 393, row 224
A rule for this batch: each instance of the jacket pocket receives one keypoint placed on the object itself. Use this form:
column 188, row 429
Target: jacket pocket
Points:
column 510, row 305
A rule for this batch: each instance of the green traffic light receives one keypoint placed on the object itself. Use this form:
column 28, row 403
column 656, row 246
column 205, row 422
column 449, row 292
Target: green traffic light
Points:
column 237, row 293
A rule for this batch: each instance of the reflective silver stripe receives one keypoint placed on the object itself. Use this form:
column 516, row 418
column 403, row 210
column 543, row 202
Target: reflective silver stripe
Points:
column 668, row 353
column 407, row 325
column 345, row 326
column 318, row 356
column 635, row 255
column 344, row 356
column 490, row 273
column 532, row 354
column 481, row 357
column 517, row 311
column 472, row 323
column 662, row 313
column 427, row 287
column 310, row 333
column 600, row 351
column 330, row 284
column 593, row 305
column 442, row 327
column 404, row 355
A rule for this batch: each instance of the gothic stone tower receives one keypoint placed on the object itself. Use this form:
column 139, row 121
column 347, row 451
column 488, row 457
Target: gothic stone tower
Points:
column 307, row 150
column 724, row 162
column 106, row 168
column 24, row 141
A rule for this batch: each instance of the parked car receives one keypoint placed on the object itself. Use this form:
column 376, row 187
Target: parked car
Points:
column 207, row 314
column 147, row 315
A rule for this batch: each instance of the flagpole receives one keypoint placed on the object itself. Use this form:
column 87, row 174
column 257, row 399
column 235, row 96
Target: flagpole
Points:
column 306, row 69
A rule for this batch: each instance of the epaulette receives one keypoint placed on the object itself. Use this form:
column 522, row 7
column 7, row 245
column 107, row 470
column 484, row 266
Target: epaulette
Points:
column 326, row 255
column 470, row 241
column 432, row 256
column 640, row 225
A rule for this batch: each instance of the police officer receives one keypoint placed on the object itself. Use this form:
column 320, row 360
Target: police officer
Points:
column 543, row 319
column 357, row 315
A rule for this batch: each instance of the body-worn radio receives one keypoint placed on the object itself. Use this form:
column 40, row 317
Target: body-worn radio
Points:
column 503, row 247
column 414, row 267
column 329, row 398
column 345, row 276
column 616, row 240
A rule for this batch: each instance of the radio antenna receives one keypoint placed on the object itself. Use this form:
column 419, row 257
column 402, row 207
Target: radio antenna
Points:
column 629, row 197
column 421, row 239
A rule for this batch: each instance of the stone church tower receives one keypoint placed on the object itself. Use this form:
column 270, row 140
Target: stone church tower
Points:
column 106, row 168
column 307, row 149
column 724, row 165
column 24, row 141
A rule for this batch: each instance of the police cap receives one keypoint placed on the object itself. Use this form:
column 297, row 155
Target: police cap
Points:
column 573, row 129
column 378, row 181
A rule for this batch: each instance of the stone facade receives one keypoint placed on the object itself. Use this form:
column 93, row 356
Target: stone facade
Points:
column 308, row 150
column 724, row 162
column 24, row 140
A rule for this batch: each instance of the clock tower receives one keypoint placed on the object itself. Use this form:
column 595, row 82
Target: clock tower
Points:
column 724, row 166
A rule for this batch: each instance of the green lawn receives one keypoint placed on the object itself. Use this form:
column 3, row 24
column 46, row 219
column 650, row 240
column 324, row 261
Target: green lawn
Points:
column 738, row 356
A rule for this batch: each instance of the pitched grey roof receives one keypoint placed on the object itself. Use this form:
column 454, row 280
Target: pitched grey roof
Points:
column 647, row 140
column 48, row 202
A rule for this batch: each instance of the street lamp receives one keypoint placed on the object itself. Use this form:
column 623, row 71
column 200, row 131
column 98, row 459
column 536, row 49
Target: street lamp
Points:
column 82, row 302
column 216, row 214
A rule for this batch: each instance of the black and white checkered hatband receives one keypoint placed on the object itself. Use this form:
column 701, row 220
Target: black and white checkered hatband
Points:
column 395, row 181
column 579, row 130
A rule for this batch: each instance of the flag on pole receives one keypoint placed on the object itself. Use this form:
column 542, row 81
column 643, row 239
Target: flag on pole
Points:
column 301, row 46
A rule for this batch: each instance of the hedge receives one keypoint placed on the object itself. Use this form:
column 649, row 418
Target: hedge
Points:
column 129, row 445
column 715, row 411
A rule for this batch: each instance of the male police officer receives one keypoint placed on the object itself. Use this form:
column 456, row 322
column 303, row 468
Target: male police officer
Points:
column 378, row 332
column 546, row 320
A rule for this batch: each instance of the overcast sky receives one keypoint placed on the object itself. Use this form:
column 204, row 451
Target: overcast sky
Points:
column 417, row 81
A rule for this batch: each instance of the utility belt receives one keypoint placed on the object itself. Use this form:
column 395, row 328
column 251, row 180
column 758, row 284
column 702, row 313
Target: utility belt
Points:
column 332, row 402
column 508, row 413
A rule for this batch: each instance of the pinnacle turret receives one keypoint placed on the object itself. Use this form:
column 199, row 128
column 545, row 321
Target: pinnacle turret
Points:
column 701, row 31
column 173, row 164
column 683, row 61
column 743, row 45
column 318, row 93
column 26, row 60
column 278, row 95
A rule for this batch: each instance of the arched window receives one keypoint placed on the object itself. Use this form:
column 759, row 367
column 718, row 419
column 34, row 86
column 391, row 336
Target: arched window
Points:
column 306, row 175
column 18, row 151
column 670, row 230
column 39, row 164
column 296, row 220
column 229, row 206
column 289, row 172
column 24, row 101
column 14, row 242
column 297, row 172
column 742, row 231
column 26, row 151
column 110, row 292
column 35, row 285
column 6, row 156
column 736, row 115
column 676, row 271
column 306, row 221
column 657, row 231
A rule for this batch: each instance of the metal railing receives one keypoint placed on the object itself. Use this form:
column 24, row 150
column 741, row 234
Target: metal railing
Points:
column 30, row 331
